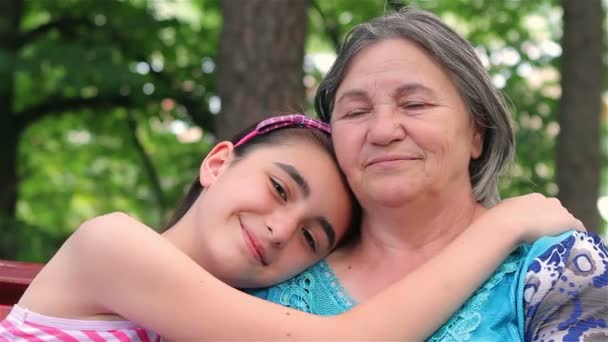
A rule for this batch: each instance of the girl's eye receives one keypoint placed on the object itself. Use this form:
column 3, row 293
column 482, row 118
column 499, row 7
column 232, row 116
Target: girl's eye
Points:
column 279, row 189
column 310, row 240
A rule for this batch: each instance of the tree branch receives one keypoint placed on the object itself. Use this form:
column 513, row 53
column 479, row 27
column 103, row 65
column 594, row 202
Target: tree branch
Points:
column 331, row 27
column 58, row 104
column 199, row 114
column 65, row 25
column 148, row 166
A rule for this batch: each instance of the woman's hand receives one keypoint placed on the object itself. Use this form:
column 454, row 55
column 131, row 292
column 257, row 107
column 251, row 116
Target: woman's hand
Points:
column 533, row 216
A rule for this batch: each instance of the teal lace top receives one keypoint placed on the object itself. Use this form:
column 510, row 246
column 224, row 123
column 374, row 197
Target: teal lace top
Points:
column 553, row 290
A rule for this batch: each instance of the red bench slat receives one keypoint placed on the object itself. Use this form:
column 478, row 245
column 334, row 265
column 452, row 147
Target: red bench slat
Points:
column 15, row 276
column 4, row 310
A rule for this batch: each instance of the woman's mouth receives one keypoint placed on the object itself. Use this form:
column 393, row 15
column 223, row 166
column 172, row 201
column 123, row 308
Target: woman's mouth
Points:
column 390, row 160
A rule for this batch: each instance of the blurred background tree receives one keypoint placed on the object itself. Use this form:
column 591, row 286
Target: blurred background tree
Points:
column 260, row 61
column 111, row 105
column 579, row 157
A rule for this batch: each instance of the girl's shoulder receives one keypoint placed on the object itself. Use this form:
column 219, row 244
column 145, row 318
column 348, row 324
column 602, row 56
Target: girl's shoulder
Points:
column 99, row 245
column 62, row 288
column 108, row 230
column 113, row 220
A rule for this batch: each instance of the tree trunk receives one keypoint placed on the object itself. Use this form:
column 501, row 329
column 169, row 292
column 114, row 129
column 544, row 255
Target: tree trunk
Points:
column 260, row 61
column 10, row 17
column 578, row 146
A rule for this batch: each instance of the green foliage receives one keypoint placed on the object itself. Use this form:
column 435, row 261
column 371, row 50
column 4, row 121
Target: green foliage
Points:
column 105, row 87
column 518, row 40
column 81, row 165
column 515, row 50
column 118, row 95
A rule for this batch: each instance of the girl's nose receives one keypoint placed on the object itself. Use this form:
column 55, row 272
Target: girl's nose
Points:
column 281, row 228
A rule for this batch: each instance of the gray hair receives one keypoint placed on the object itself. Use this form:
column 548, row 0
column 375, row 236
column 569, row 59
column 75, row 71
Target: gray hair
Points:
column 486, row 105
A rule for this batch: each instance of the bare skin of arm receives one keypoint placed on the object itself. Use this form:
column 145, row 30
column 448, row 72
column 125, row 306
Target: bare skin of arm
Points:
column 115, row 264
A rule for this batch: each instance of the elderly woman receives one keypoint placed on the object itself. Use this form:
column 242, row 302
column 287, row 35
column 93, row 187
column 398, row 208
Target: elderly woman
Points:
column 422, row 135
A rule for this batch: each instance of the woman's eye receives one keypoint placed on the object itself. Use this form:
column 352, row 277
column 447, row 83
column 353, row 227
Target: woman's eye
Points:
column 357, row 112
column 279, row 189
column 310, row 240
column 413, row 105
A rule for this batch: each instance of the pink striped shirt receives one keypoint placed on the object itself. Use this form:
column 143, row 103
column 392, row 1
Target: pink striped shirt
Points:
column 24, row 325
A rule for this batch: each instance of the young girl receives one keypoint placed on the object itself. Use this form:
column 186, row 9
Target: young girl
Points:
column 265, row 208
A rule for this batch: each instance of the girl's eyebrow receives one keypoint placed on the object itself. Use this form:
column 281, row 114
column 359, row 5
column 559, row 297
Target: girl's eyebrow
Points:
column 296, row 176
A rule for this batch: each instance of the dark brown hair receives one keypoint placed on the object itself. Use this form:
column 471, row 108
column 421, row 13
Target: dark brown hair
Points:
column 272, row 138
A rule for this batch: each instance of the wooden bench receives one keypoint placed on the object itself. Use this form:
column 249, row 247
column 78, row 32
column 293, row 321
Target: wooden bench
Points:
column 14, row 278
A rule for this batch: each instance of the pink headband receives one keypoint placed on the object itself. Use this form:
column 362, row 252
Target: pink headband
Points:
column 289, row 120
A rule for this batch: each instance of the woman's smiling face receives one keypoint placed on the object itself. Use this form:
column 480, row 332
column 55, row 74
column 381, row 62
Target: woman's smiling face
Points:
column 400, row 128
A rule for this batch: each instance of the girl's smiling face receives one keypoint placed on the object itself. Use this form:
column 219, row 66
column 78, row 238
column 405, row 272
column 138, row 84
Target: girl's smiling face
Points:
column 270, row 214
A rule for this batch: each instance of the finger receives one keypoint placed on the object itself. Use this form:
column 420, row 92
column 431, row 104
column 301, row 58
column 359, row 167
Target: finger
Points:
column 578, row 225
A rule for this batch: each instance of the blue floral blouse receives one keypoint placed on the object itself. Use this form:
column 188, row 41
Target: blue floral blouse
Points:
column 553, row 290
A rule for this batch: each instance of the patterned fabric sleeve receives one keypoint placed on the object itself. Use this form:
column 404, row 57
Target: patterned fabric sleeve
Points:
column 566, row 292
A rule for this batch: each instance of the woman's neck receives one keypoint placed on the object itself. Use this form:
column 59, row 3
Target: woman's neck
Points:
column 418, row 227
column 396, row 241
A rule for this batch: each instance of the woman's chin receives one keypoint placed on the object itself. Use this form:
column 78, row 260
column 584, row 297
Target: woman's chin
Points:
column 391, row 197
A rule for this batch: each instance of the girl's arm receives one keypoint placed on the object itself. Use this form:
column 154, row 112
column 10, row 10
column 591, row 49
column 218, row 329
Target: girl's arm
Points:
column 428, row 296
column 132, row 271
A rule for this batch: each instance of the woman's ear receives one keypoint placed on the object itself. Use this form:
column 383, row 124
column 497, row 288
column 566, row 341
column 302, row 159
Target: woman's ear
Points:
column 216, row 161
column 477, row 143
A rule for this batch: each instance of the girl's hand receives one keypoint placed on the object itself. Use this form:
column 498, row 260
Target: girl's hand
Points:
column 533, row 216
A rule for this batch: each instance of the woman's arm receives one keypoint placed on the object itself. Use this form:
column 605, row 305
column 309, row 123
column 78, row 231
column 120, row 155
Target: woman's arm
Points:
column 134, row 272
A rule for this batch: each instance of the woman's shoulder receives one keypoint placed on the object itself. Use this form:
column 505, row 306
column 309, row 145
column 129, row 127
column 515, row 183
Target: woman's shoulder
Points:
column 316, row 290
column 566, row 286
column 575, row 249
column 567, row 240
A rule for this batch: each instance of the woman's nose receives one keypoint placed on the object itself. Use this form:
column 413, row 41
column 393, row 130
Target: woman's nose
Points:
column 386, row 127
